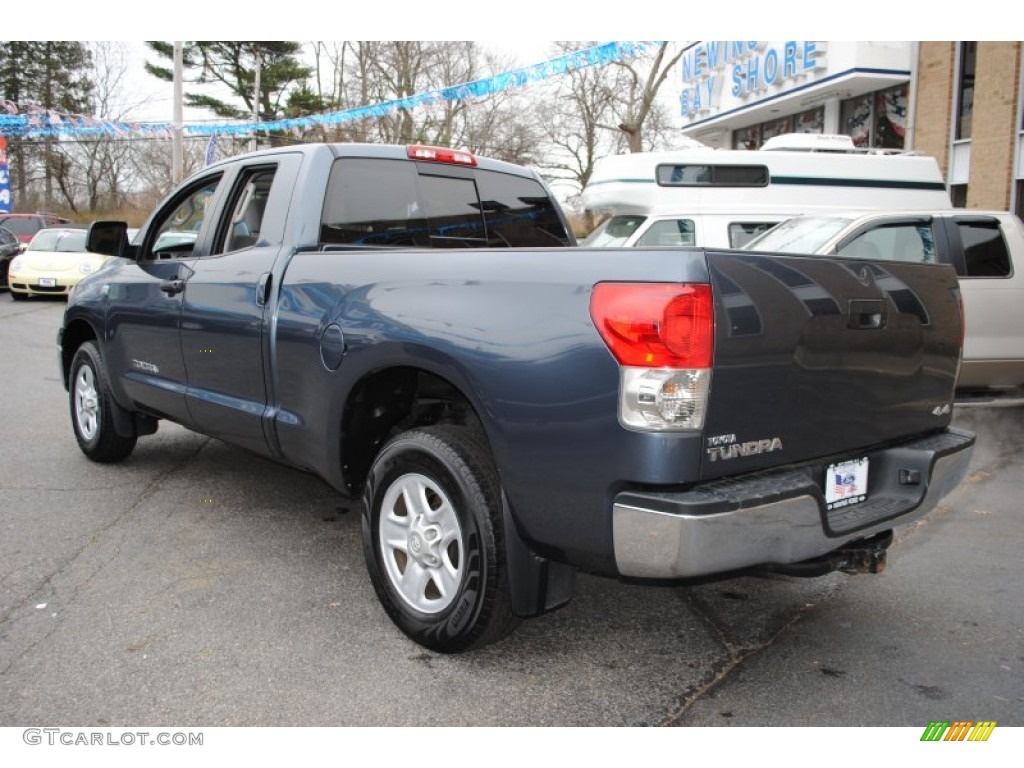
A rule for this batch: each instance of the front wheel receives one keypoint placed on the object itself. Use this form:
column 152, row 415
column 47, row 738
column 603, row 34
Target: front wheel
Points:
column 433, row 539
column 91, row 408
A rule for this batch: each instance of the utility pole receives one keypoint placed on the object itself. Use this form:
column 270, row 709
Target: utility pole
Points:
column 177, row 153
column 256, row 98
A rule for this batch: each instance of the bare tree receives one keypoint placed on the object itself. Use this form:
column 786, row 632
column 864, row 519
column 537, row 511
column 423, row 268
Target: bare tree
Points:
column 578, row 113
column 154, row 164
column 367, row 73
column 638, row 81
column 104, row 165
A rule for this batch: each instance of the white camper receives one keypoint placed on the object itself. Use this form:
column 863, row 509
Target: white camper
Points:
column 724, row 198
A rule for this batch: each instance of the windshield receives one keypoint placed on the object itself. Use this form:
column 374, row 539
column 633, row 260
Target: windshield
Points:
column 799, row 235
column 615, row 231
column 58, row 240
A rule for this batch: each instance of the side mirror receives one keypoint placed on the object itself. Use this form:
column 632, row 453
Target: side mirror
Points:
column 109, row 238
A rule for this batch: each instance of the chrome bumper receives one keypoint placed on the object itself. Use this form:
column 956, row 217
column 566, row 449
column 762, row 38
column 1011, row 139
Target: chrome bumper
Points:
column 780, row 517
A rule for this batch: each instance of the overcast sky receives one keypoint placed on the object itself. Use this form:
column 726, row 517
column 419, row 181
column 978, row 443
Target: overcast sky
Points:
column 154, row 98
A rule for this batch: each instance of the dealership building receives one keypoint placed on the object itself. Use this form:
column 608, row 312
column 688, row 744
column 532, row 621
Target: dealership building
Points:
column 960, row 102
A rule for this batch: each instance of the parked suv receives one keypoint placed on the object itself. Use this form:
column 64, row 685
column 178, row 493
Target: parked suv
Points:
column 25, row 225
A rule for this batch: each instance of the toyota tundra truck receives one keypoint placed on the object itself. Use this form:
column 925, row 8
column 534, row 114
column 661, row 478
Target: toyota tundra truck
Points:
column 417, row 327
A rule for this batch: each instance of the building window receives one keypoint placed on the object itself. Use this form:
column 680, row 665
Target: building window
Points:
column 876, row 119
column 774, row 128
column 965, row 90
column 958, row 195
column 811, row 121
column 855, row 119
column 890, row 118
column 747, row 138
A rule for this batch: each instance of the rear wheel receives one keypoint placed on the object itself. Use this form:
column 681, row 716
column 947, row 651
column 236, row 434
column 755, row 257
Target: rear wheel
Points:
column 432, row 534
column 92, row 406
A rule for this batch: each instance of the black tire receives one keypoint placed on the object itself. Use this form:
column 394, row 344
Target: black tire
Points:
column 443, row 577
column 92, row 406
column 17, row 296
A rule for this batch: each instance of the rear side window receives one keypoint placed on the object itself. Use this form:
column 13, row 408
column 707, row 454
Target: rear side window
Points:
column 519, row 212
column 985, row 250
column 23, row 227
column 247, row 206
column 712, row 175
column 669, row 232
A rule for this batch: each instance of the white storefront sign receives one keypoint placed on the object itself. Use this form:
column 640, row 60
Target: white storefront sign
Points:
column 750, row 67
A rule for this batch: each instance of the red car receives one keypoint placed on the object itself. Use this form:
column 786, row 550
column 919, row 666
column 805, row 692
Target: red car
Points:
column 25, row 225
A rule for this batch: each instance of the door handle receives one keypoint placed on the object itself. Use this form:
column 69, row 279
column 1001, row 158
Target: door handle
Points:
column 263, row 289
column 866, row 314
column 172, row 287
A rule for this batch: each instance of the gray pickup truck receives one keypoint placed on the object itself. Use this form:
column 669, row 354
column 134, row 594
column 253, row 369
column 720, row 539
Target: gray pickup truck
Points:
column 415, row 326
column 984, row 247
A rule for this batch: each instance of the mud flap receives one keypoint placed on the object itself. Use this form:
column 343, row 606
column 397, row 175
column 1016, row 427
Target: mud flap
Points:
column 537, row 585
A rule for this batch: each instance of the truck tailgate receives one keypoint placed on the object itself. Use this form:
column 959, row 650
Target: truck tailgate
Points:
column 822, row 356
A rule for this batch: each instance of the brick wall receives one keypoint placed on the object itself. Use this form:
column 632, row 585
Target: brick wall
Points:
column 994, row 122
column 994, row 125
column 935, row 93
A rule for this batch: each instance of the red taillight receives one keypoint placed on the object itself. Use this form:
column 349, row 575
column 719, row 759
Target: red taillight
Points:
column 441, row 155
column 656, row 325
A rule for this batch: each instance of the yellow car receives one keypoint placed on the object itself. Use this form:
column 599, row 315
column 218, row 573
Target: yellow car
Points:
column 52, row 264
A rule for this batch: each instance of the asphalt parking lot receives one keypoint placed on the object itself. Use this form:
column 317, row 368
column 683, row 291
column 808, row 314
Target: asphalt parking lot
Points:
column 198, row 585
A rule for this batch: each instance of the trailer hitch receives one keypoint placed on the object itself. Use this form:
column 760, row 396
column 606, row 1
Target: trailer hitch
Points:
column 860, row 556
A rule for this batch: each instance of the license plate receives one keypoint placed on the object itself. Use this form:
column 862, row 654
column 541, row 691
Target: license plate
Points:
column 846, row 483
column 47, row 282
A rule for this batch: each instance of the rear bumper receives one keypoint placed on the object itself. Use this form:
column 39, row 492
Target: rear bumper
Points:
column 780, row 517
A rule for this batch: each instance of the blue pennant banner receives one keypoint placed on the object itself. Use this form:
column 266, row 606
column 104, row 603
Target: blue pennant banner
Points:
column 40, row 122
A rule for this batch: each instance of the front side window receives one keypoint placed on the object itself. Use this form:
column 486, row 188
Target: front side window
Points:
column 614, row 231
column 909, row 241
column 803, row 234
column 742, row 232
column 176, row 230
column 669, row 232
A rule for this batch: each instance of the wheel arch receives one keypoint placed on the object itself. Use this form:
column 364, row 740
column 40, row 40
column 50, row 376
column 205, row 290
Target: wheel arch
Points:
column 390, row 400
column 394, row 399
column 74, row 334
